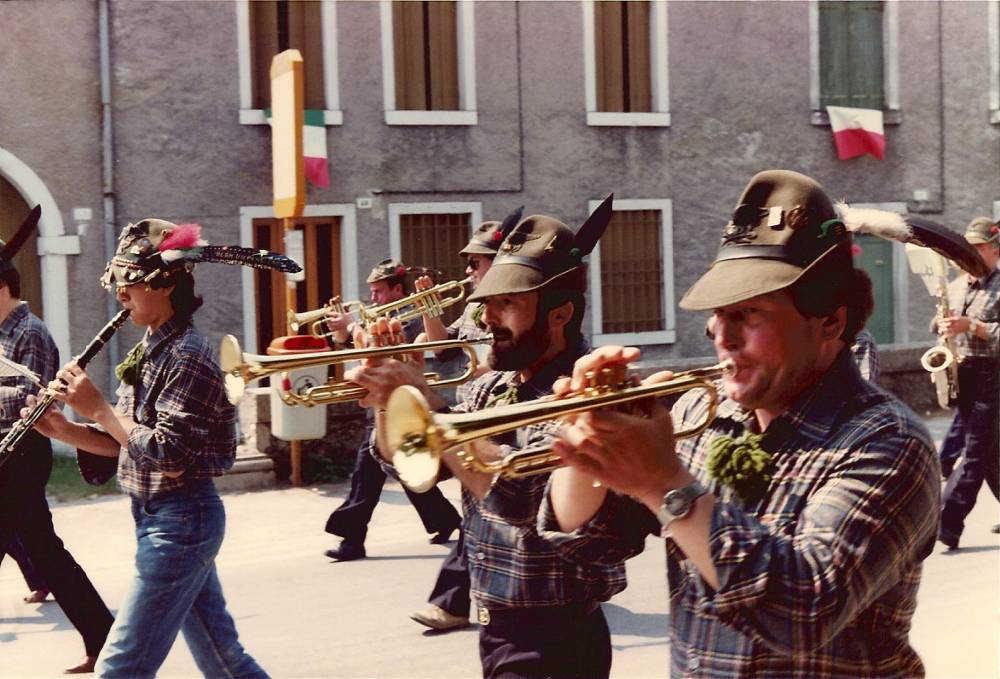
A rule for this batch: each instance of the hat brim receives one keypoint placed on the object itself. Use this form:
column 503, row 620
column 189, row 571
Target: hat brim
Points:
column 736, row 280
column 477, row 249
column 513, row 279
column 973, row 239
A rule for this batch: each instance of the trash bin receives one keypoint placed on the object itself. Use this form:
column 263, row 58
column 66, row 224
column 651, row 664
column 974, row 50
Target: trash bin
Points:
column 300, row 422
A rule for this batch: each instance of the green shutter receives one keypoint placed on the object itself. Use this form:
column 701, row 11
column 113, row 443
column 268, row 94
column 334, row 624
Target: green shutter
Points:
column 851, row 65
column 876, row 259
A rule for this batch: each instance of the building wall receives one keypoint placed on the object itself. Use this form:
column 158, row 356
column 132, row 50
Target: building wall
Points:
column 739, row 84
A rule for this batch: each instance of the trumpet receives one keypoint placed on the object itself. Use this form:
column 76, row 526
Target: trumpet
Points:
column 240, row 368
column 316, row 316
column 430, row 302
column 419, row 437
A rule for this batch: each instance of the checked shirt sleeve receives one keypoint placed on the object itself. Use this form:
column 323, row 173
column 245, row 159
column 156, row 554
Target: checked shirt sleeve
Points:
column 795, row 585
column 33, row 349
column 183, row 407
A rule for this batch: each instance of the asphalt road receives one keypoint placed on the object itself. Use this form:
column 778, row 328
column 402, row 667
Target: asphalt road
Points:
column 301, row 615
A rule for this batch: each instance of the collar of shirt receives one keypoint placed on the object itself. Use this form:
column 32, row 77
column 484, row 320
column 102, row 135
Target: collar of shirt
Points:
column 154, row 341
column 14, row 318
column 816, row 411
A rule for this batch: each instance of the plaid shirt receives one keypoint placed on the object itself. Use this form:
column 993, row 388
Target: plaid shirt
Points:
column 979, row 299
column 865, row 353
column 510, row 565
column 819, row 578
column 185, row 424
column 25, row 340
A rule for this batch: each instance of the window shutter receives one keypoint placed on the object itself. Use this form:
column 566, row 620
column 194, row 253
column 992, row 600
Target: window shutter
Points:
column 851, row 64
column 632, row 273
column 622, row 55
column 263, row 47
column 433, row 240
column 608, row 55
column 638, row 80
column 442, row 58
column 408, row 48
column 304, row 33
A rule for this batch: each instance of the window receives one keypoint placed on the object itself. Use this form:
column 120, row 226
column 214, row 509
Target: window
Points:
column 854, row 60
column 330, row 248
column 428, row 62
column 430, row 235
column 267, row 27
column 993, row 31
column 887, row 265
column 625, row 62
column 631, row 275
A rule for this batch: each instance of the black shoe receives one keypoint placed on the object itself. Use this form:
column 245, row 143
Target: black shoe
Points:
column 949, row 541
column 442, row 537
column 995, row 528
column 348, row 551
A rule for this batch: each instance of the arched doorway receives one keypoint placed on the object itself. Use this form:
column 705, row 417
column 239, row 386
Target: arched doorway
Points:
column 13, row 210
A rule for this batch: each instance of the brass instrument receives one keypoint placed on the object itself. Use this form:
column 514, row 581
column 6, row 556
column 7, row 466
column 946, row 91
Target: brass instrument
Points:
column 418, row 437
column 942, row 360
column 316, row 316
column 430, row 302
column 239, row 369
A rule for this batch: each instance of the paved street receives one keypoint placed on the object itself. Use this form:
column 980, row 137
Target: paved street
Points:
column 303, row 616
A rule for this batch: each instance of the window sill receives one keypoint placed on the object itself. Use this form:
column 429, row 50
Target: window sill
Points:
column 635, row 338
column 995, row 116
column 431, row 117
column 255, row 116
column 889, row 117
column 617, row 119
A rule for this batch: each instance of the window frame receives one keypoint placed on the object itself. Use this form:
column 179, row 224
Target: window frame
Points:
column 658, row 69
column 993, row 34
column 348, row 256
column 466, row 36
column 398, row 209
column 669, row 333
column 332, row 114
column 891, row 112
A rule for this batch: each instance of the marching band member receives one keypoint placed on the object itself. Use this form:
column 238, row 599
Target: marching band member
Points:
column 24, row 511
column 539, row 610
column 976, row 330
column 386, row 283
column 449, row 604
column 172, row 432
column 797, row 522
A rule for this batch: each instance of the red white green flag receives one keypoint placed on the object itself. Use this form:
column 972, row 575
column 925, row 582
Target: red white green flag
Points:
column 314, row 157
column 857, row 131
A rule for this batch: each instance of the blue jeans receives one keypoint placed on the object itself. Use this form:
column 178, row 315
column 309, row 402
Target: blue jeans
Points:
column 176, row 588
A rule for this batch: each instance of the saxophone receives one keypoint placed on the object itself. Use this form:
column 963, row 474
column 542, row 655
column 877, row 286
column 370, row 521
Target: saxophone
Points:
column 942, row 361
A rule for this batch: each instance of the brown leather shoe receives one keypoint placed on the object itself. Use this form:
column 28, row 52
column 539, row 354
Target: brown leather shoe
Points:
column 37, row 597
column 436, row 617
column 86, row 667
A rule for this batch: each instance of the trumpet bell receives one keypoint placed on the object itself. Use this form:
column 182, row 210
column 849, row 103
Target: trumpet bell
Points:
column 407, row 432
column 231, row 362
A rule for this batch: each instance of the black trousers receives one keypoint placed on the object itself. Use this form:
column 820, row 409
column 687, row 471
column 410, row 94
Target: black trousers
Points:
column 32, row 577
column 24, row 513
column 451, row 589
column 350, row 520
column 978, row 402
column 562, row 642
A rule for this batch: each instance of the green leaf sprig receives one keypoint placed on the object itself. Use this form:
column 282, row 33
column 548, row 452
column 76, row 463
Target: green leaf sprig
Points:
column 128, row 370
column 741, row 464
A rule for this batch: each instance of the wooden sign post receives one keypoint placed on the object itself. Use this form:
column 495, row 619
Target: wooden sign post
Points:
column 288, row 171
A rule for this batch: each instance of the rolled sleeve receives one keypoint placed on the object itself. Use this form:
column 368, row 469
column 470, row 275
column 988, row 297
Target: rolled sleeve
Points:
column 616, row 532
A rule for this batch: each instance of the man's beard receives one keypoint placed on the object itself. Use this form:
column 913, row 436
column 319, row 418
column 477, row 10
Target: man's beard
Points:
column 525, row 350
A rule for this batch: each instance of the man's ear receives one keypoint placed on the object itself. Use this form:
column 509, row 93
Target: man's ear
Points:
column 560, row 316
column 834, row 324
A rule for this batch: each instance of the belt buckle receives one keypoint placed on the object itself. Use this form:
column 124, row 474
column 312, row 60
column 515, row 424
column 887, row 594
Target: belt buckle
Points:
column 484, row 616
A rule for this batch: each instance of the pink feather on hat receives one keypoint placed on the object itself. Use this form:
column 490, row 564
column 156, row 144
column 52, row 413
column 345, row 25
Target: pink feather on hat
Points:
column 184, row 237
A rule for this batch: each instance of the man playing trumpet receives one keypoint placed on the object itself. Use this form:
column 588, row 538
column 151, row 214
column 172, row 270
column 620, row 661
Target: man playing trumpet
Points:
column 539, row 610
column 797, row 522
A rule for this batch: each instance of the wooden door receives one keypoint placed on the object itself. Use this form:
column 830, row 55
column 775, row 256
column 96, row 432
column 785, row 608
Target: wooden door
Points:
column 13, row 210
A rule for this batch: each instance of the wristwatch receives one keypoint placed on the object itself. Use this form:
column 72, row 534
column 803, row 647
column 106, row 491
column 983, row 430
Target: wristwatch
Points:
column 974, row 324
column 677, row 503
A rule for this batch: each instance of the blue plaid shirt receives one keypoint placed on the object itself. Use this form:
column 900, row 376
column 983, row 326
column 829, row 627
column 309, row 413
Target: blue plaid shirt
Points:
column 185, row 424
column 24, row 339
column 819, row 578
column 510, row 564
column 979, row 299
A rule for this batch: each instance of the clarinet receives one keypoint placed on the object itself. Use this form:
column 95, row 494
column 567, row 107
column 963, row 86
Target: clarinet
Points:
column 27, row 423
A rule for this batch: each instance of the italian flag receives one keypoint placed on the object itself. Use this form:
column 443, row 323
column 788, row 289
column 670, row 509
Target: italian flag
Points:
column 857, row 131
column 313, row 146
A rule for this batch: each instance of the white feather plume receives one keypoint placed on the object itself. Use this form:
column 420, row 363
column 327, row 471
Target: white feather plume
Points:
column 881, row 223
column 9, row 368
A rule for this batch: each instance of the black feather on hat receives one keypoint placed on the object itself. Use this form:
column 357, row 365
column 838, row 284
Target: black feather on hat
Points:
column 10, row 249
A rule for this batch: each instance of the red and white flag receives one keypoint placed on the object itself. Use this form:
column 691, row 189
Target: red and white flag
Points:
column 857, row 131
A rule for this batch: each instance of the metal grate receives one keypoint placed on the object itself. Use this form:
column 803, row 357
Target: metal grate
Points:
column 632, row 273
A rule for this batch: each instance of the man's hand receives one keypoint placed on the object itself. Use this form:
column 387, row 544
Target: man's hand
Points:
column 338, row 324
column 954, row 325
column 380, row 376
column 73, row 387
column 423, row 283
column 52, row 423
column 628, row 453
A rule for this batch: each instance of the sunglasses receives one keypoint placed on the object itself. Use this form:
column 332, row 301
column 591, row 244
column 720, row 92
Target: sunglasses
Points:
column 473, row 263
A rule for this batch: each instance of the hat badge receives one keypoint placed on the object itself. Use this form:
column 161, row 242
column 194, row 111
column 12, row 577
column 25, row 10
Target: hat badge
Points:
column 741, row 226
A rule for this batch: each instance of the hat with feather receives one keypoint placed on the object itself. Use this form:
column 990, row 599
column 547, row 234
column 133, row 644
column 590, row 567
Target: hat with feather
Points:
column 784, row 225
column 155, row 251
column 9, row 249
column 489, row 235
column 539, row 250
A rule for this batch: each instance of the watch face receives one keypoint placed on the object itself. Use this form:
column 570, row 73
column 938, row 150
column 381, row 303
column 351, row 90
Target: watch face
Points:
column 676, row 503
